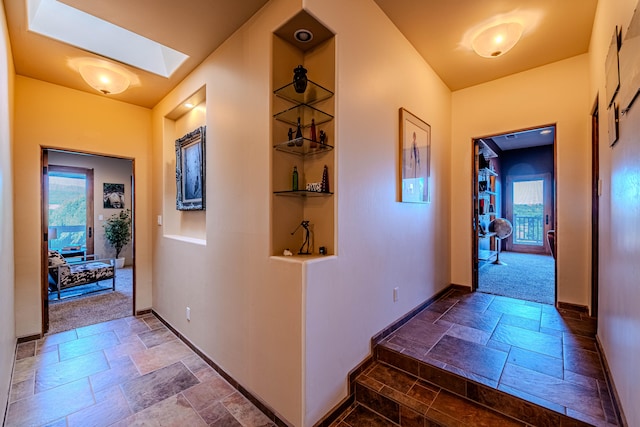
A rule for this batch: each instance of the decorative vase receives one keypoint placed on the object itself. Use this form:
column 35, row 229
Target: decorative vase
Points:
column 120, row 262
column 294, row 179
column 313, row 136
column 300, row 79
column 324, row 186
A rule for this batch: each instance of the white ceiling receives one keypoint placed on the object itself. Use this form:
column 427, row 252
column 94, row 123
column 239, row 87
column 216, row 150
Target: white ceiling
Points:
column 198, row 27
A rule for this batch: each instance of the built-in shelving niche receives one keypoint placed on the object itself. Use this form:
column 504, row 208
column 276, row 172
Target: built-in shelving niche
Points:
column 289, row 208
column 188, row 226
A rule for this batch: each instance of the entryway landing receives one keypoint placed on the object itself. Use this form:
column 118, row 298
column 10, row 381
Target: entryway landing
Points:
column 533, row 363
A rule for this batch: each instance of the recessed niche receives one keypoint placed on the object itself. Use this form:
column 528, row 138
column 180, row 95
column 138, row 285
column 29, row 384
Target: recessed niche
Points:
column 188, row 115
column 290, row 208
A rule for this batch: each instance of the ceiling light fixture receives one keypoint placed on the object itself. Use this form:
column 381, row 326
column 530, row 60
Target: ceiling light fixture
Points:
column 545, row 132
column 104, row 76
column 188, row 105
column 496, row 40
column 303, row 35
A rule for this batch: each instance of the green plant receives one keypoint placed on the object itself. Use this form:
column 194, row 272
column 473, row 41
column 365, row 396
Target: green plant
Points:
column 117, row 230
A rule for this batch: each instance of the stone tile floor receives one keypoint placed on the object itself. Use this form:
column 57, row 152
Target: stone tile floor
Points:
column 125, row 372
column 534, row 351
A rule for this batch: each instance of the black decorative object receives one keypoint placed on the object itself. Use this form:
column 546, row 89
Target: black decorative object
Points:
column 290, row 135
column 300, row 79
column 323, row 137
column 324, row 186
column 305, row 225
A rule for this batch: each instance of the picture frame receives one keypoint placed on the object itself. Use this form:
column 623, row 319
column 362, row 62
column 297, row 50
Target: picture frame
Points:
column 415, row 153
column 190, row 171
column 112, row 196
column 612, row 68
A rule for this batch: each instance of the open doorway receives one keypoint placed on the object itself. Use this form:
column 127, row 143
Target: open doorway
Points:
column 514, row 215
column 80, row 284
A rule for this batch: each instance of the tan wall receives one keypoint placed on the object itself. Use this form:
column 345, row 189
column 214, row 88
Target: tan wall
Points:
column 552, row 94
column 619, row 293
column 105, row 170
column 7, row 319
column 56, row 117
column 271, row 323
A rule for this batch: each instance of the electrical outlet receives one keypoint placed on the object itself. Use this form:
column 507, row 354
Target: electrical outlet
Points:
column 396, row 292
column 189, row 313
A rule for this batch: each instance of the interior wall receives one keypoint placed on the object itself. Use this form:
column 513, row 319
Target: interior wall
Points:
column 7, row 317
column 72, row 120
column 552, row 94
column 269, row 321
column 105, row 170
column 619, row 245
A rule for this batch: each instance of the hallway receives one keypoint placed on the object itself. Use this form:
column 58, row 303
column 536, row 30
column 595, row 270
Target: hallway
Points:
column 130, row 371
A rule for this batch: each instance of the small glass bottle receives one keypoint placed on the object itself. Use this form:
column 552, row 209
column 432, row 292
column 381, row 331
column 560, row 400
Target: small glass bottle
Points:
column 299, row 139
column 294, row 183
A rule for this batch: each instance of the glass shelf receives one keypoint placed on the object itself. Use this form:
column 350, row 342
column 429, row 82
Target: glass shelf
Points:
column 304, row 149
column 302, row 193
column 487, row 171
column 314, row 93
column 306, row 113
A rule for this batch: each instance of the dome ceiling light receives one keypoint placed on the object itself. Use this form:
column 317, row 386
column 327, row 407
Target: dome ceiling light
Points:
column 497, row 40
column 104, row 76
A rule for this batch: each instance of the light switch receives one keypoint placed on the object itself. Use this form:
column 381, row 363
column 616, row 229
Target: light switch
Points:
column 159, row 219
column 100, row 217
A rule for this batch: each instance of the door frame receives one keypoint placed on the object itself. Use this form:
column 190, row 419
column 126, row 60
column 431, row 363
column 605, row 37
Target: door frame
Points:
column 595, row 208
column 474, row 196
column 44, row 221
column 548, row 213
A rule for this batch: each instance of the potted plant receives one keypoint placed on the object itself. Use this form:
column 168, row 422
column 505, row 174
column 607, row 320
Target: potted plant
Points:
column 117, row 231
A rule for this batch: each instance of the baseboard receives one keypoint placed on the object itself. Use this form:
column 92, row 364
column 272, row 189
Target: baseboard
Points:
column 573, row 307
column 615, row 398
column 369, row 360
column 29, row 338
column 270, row 413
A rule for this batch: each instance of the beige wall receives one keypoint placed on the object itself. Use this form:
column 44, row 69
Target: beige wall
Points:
column 7, row 319
column 272, row 323
column 552, row 94
column 105, row 170
column 56, row 117
column 619, row 293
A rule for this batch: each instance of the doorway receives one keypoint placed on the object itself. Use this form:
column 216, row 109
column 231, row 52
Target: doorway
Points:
column 75, row 190
column 513, row 215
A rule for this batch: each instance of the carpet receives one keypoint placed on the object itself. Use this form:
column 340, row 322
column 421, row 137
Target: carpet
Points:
column 528, row 277
column 78, row 308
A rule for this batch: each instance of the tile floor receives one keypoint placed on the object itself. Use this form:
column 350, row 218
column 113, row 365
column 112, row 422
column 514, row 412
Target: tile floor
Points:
column 125, row 372
column 533, row 351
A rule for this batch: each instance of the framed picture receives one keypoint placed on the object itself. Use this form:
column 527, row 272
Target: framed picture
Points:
column 612, row 70
column 113, row 196
column 415, row 150
column 190, row 171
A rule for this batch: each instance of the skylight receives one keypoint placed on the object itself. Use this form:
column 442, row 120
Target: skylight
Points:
column 75, row 27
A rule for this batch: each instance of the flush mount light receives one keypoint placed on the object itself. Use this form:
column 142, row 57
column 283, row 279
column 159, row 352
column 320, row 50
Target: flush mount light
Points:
column 496, row 40
column 303, row 35
column 104, row 76
column 545, row 132
column 188, row 105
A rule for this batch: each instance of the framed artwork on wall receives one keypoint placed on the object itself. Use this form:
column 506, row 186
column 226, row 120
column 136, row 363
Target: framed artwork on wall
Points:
column 415, row 152
column 190, row 171
column 113, row 196
column 612, row 69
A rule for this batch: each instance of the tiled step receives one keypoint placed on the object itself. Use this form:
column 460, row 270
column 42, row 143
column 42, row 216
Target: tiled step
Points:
column 405, row 400
column 460, row 398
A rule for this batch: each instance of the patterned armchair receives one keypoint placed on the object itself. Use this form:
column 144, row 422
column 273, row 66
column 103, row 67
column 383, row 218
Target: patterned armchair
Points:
column 64, row 275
